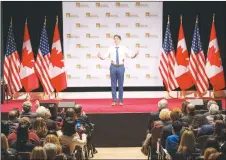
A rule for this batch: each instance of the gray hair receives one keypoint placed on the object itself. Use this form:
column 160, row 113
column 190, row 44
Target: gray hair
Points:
column 43, row 112
column 51, row 150
column 27, row 106
column 163, row 103
column 214, row 109
column 210, row 102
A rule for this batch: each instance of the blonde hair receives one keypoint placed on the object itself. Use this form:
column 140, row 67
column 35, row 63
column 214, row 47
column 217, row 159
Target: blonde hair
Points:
column 40, row 127
column 51, row 138
column 208, row 152
column 4, row 142
column 164, row 114
column 38, row 153
column 214, row 156
column 187, row 142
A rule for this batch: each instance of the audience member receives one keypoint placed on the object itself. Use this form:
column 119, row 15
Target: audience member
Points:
column 184, row 108
column 198, row 121
column 51, row 151
column 17, row 112
column 222, row 144
column 27, row 105
column 208, row 152
column 209, row 103
column 217, row 156
column 38, row 153
column 211, row 142
column 40, row 127
column 164, row 116
column 187, row 120
column 13, row 121
column 154, row 116
column 6, row 152
column 173, row 140
column 5, row 127
column 54, row 140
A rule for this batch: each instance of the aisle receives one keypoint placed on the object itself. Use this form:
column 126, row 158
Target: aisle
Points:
column 119, row 153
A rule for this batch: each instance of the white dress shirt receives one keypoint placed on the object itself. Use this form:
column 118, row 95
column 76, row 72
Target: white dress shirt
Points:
column 123, row 53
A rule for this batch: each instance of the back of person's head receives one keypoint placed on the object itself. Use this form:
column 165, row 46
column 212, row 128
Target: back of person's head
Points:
column 219, row 125
column 175, row 114
column 217, row 156
column 211, row 142
column 78, row 109
column 4, row 142
column 70, row 113
column 38, row 153
column 53, row 111
column 218, row 117
column 51, row 151
column 27, row 106
column 210, row 102
column 198, row 121
column 43, row 112
column 177, row 126
column 12, row 115
column 25, row 121
column 68, row 127
column 214, row 109
column 191, row 109
column 164, row 114
column 163, row 103
column 156, row 132
column 187, row 142
column 40, row 127
column 51, row 138
column 17, row 112
column 208, row 152
column 184, row 107
column 22, row 134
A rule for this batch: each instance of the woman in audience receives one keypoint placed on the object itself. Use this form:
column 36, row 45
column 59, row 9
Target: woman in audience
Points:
column 6, row 152
column 40, row 127
column 217, row 156
column 222, row 144
column 38, row 153
column 184, row 108
column 17, row 112
column 53, row 139
column 164, row 116
column 198, row 121
column 187, row 148
column 208, row 152
column 69, row 137
column 219, row 126
column 22, row 143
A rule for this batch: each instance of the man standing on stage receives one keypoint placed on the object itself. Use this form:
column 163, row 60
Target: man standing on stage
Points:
column 117, row 54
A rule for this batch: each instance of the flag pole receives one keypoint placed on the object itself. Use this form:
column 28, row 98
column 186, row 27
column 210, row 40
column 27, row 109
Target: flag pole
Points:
column 11, row 23
column 56, row 93
column 213, row 95
column 182, row 92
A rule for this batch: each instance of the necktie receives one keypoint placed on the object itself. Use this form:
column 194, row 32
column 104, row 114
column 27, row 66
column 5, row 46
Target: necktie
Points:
column 117, row 57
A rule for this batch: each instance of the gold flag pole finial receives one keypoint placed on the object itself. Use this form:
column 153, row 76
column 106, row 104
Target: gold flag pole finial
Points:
column 57, row 19
column 197, row 18
column 11, row 20
column 181, row 18
column 26, row 20
column 168, row 19
column 213, row 17
column 45, row 20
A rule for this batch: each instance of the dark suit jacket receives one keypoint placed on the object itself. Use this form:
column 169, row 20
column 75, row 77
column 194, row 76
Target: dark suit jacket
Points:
column 154, row 116
column 13, row 125
column 51, row 125
column 29, row 115
column 187, row 120
column 207, row 129
column 166, row 131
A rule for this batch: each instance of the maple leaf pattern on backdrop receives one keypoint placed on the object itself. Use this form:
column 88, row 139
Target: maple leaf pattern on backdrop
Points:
column 214, row 57
column 27, row 59
column 182, row 59
column 57, row 59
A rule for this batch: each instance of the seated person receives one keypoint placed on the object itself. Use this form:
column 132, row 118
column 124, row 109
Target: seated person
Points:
column 187, row 120
column 26, row 112
column 13, row 121
column 172, row 141
column 214, row 109
column 6, row 152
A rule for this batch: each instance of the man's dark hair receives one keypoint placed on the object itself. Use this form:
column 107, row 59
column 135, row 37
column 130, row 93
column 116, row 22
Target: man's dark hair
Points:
column 177, row 126
column 218, row 117
column 17, row 112
column 53, row 110
column 78, row 109
column 70, row 112
column 118, row 36
column 22, row 134
column 12, row 115
column 68, row 127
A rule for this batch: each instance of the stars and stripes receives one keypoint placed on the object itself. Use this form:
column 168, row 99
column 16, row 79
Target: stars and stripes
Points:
column 42, row 62
column 197, row 63
column 167, row 61
column 12, row 64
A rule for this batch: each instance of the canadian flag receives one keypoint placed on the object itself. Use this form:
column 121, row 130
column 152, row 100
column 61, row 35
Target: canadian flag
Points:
column 181, row 71
column 28, row 76
column 214, row 68
column 56, row 67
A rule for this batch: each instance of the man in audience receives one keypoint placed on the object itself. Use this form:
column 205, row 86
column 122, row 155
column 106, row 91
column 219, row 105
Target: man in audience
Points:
column 13, row 121
column 172, row 141
column 210, row 102
column 27, row 110
column 154, row 116
column 187, row 120
column 214, row 109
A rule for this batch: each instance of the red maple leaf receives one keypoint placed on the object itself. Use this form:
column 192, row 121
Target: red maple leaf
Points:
column 56, row 58
column 182, row 57
column 28, row 59
column 214, row 57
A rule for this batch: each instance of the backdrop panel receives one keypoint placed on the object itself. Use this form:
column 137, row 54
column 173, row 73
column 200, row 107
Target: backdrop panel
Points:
column 88, row 28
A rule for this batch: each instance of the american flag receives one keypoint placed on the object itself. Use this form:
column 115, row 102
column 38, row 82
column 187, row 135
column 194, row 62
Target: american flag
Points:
column 167, row 62
column 12, row 64
column 197, row 63
column 42, row 62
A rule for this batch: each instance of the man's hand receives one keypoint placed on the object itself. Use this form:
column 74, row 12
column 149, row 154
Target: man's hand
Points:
column 99, row 55
column 137, row 52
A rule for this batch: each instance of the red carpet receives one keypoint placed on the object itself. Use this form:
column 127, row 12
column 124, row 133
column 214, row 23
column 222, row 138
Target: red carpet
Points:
column 104, row 105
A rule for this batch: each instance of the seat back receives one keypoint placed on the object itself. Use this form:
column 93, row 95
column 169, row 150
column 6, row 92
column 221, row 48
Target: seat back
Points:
column 24, row 155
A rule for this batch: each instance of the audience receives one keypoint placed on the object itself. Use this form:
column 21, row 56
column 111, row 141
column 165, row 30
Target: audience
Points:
column 222, row 143
column 51, row 151
column 210, row 102
column 13, row 121
column 187, row 120
column 54, row 140
column 6, row 152
column 208, row 152
column 38, row 153
column 27, row 110
column 40, row 127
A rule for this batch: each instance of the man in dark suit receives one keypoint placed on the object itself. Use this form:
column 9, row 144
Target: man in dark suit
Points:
column 154, row 116
column 13, row 122
column 27, row 110
column 187, row 120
